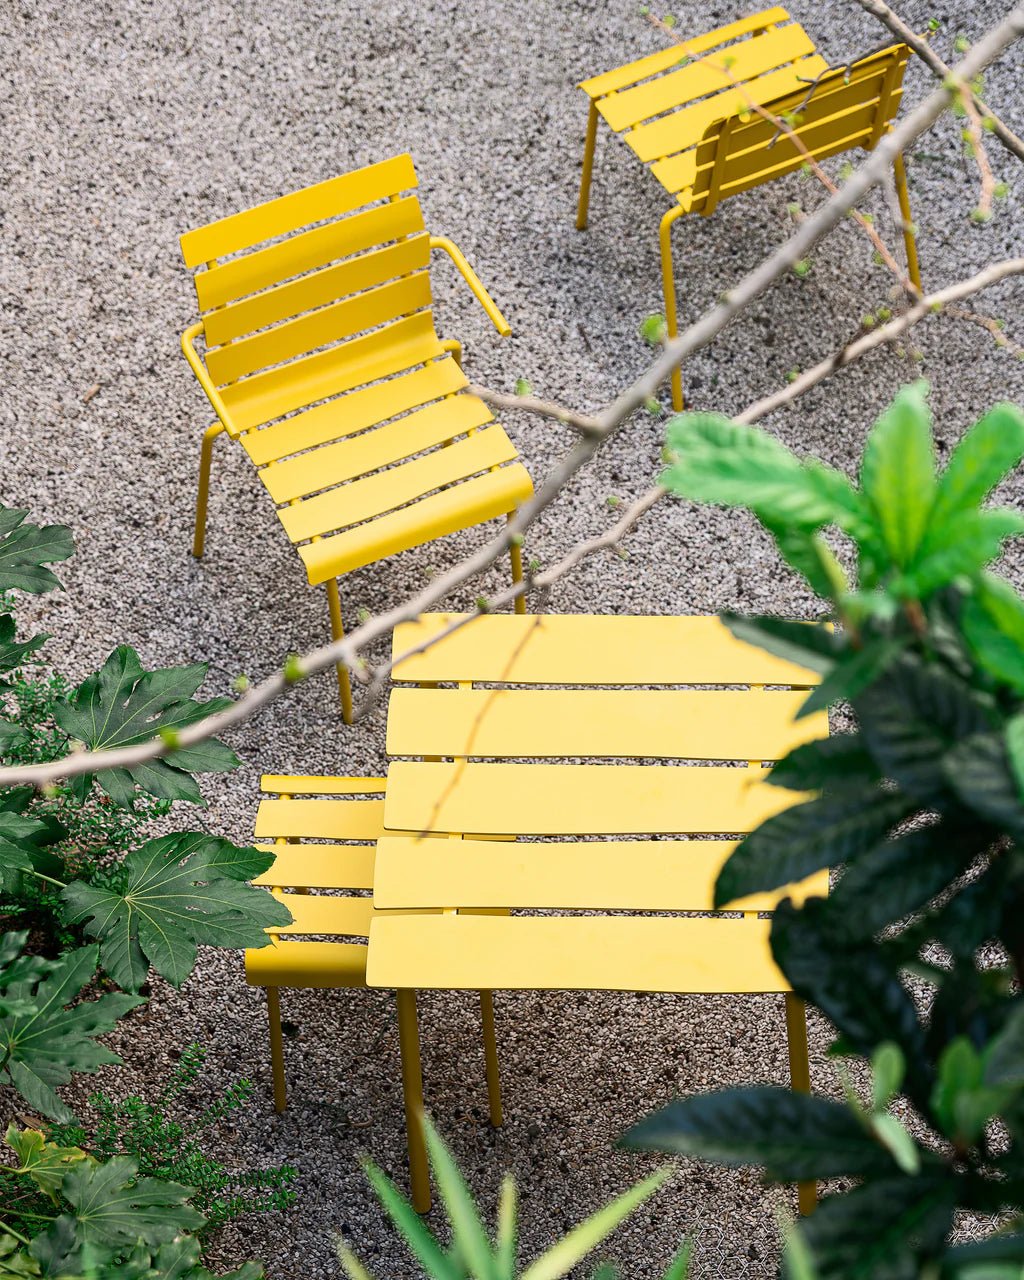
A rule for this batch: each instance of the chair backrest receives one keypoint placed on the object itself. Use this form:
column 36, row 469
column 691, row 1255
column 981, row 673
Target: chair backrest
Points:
column 850, row 106
column 311, row 270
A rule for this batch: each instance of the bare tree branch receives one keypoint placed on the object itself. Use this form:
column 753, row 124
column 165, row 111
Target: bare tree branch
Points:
column 582, row 422
column 607, row 422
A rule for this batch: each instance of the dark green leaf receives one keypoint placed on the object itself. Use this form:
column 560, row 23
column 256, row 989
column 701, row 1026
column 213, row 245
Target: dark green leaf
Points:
column 793, row 1136
column 807, row 644
column 113, row 1207
column 12, row 652
column 993, row 625
column 898, row 472
column 989, row 450
column 805, row 838
column 25, row 550
column 968, row 543
column 46, row 1047
column 840, row 761
column 123, row 705
column 1004, row 1056
column 960, row 1261
column 855, row 672
column 178, row 891
column 978, row 770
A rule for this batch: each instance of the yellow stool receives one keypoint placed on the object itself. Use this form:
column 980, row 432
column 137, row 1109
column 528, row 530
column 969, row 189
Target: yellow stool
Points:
column 686, row 113
column 324, row 832
column 322, row 358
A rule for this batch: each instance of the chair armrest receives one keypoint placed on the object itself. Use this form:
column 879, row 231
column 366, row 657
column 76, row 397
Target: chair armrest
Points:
column 188, row 346
column 473, row 280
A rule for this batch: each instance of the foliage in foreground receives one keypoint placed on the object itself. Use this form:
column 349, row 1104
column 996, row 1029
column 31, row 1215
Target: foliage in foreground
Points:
column 923, row 808
column 473, row 1255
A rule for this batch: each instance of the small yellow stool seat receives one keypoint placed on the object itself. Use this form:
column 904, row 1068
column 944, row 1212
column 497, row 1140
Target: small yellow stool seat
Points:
column 322, row 359
column 323, row 832
column 687, row 113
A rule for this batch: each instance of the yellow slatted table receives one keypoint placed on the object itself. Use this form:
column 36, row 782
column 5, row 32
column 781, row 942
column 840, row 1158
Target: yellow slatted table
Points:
column 619, row 757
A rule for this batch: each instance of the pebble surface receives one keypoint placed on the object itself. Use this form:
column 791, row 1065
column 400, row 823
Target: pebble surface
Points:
column 128, row 122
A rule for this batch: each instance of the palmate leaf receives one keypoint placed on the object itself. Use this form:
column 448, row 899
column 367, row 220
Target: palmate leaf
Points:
column 46, row 1046
column 122, row 705
column 44, row 1162
column 15, row 969
column 25, row 550
column 176, row 892
column 898, row 472
column 14, row 652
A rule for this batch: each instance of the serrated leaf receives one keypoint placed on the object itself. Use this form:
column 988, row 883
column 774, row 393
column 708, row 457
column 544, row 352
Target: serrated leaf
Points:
column 979, row 772
column 25, row 550
column 112, row 1206
column 993, row 626
column 123, row 705
column 840, row 761
column 987, row 452
column 793, row 1136
column 898, row 472
column 807, row 644
column 855, row 672
column 810, row 555
column 967, row 543
column 47, row 1046
column 1004, row 1056
column 44, row 1162
column 806, row 837
column 177, row 891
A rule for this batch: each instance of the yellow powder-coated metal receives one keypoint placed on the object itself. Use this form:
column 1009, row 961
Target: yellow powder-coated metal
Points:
column 321, row 356
column 566, row 732
column 323, row 832
column 687, row 112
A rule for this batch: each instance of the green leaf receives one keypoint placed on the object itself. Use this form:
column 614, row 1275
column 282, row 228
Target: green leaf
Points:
column 993, row 626
column 13, row 1262
column 840, row 761
column 1014, row 732
column 113, row 1207
column 998, row 1248
column 967, row 543
column 806, row 837
column 854, row 672
column 507, row 1241
column 1004, row 1056
column 882, row 1229
column 679, row 1267
column 123, row 705
column 582, row 1239
column 177, row 891
column 44, row 1162
column 807, row 644
column 45, row 1048
column 900, row 1145
column 960, row 1071
column 12, row 652
column 25, row 550
column 898, row 472
column 468, row 1232
column 989, row 450
column 793, row 1136
column 17, row 970
column 810, row 555
column 888, row 1067
column 424, row 1248
column 978, row 770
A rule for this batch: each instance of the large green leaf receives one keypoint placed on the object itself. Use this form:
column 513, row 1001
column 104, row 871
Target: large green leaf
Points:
column 18, row 969
column 25, row 550
column 175, row 892
column 839, row 761
column 44, row 1162
column 993, row 626
column 123, row 705
column 809, row 554
column 854, row 672
column 978, row 1261
column 967, row 543
column 45, row 1047
column 806, row 837
column 989, row 450
column 807, row 644
column 14, row 652
column 898, row 472
column 883, row 1230
column 980, row 772
column 793, row 1136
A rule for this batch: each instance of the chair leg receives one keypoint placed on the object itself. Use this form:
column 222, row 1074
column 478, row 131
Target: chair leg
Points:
column 668, row 285
column 491, row 1057
column 412, row 1089
column 205, row 459
column 276, row 1049
column 909, row 239
column 515, row 553
column 337, row 632
column 800, row 1078
column 588, row 169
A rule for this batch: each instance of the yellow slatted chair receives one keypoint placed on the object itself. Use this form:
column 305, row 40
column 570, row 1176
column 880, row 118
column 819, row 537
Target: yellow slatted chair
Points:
column 323, row 832
column 618, row 839
column 322, row 359
column 685, row 112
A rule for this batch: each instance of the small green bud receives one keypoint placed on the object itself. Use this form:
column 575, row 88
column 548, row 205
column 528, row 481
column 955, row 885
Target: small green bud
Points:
column 981, row 215
column 1001, row 190
column 613, row 501
column 483, row 605
column 935, row 308
column 988, row 124
column 534, row 565
column 362, row 615
column 523, row 387
column 729, row 61
column 792, row 375
column 868, row 321
column 684, row 61
column 516, row 540
column 805, row 170
column 653, row 406
column 802, row 268
column 934, row 24
column 845, row 171
column 622, row 553
column 240, row 684
column 877, row 259
column 999, row 340
column 869, row 218
column 668, row 20
column 292, row 671
column 169, row 737
column 794, row 209
column 653, row 330
column 917, row 356
column 50, row 790
column 644, row 10
column 961, row 44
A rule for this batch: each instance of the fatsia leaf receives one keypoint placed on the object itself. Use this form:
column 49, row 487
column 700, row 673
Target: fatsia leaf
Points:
column 840, row 761
column 26, row 549
column 993, row 626
column 176, row 891
column 44, row 1162
column 13, row 652
column 45, row 1047
column 806, row 837
column 112, row 1206
column 14, row 1262
column 898, row 472
column 123, row 705
column 793, row 1136
column 18, row 970
column 988, row 451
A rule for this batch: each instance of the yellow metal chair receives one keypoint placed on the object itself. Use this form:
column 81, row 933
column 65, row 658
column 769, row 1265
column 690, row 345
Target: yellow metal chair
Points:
column 322, row 358
column 686, row 112
column 323, row 831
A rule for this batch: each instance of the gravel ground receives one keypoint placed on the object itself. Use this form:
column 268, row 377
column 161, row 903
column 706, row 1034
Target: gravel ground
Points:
column 129, row 122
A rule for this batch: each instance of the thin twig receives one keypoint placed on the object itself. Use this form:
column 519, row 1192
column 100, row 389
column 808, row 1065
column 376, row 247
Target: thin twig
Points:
column 582, row 422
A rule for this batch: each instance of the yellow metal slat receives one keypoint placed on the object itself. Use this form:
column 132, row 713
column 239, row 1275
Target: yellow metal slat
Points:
column 347, row 459
column 579, row 799
column 287, row 213
column 320, row 866
column 746, row 60
column 329, row 324
column 376, row 494
column 323, row 913
column 460, row 507
column 357, row 410
column 320, row 819
column 307, row 251
column 621, row 875
column 557, row 953
column 666, row 724
column 316, row 784
column 316, row 289
column 588, row 649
